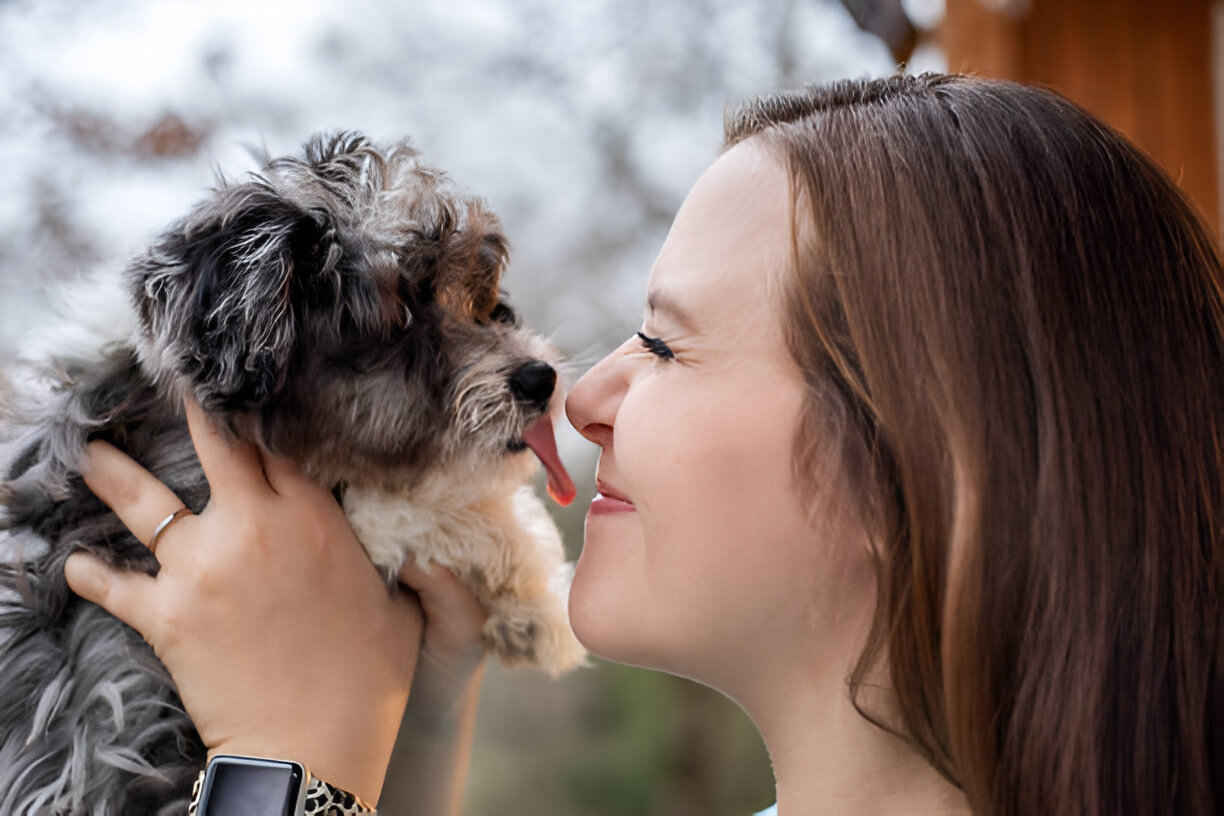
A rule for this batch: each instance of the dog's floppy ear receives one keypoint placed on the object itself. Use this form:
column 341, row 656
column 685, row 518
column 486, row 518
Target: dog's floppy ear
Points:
column 215, row 294
column 470, row 266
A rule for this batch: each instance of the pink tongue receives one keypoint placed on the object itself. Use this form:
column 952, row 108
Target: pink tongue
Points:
column 539, row 437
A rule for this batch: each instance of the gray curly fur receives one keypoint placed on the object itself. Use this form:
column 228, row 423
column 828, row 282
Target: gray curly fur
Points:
column 325, row 309
column 89, row 719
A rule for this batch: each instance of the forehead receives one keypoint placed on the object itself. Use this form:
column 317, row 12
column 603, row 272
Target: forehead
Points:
column 729, row 241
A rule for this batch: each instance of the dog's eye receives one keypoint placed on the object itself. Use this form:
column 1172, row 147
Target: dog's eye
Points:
column 503, row 314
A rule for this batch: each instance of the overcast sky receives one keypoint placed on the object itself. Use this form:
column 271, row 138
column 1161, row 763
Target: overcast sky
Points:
column 583, row 123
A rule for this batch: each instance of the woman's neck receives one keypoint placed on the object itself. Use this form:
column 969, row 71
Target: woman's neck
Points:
column 829, row 759
column 826, row 757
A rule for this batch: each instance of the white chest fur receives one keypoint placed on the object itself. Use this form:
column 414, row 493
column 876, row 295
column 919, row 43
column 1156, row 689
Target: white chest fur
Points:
column 504, row 546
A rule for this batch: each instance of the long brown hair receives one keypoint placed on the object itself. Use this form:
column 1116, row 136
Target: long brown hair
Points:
column 1018, row 321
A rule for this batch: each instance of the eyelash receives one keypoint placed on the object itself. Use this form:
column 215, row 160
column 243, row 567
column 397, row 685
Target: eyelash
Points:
column 656, row 347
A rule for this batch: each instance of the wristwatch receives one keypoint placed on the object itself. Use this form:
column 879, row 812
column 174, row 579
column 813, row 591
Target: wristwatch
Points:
column 257, row 786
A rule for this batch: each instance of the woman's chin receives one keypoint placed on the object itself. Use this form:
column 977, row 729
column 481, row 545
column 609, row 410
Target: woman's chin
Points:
column 593, row 607
column 603, row 610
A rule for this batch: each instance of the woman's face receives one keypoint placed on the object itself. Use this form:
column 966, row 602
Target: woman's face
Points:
column 710, row 557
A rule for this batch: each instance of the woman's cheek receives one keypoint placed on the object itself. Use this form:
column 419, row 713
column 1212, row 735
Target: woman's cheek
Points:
column 615, row 593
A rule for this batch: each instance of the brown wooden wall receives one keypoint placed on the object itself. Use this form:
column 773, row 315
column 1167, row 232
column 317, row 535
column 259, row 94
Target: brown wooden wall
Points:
column 1143, row 66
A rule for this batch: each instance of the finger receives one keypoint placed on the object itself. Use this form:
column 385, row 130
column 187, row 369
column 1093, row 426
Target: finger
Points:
column 232, row 467
column 138, row 498
column 286, row 478
column 443, row 596
column 126, row 595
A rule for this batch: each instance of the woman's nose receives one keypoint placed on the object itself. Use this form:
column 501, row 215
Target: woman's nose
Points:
column 593, row 401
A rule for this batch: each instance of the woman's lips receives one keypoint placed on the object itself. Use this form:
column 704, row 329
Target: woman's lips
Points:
column 607, row 504
column 607, row 500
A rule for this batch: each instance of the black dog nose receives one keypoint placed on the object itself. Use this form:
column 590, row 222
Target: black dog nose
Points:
column 533, row 382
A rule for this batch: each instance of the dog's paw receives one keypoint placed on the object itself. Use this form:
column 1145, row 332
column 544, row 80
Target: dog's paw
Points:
column 513, row 639
column 520, row 634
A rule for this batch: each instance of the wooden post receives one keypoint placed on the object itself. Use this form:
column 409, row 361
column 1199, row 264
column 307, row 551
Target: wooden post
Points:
column 1146, row 68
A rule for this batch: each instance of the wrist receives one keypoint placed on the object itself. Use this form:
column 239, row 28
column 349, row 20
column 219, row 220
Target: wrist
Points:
column 358, row 767
column 239, row 783
column 349, row 747
column 438, row 702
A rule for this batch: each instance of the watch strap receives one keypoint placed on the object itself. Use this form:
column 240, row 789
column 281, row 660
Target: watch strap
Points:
column 322, row 799
column 325, row 799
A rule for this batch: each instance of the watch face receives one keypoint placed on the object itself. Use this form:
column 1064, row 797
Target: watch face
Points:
column 244, row 786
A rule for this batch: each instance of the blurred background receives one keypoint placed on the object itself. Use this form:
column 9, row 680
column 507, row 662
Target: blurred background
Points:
column 583, row 124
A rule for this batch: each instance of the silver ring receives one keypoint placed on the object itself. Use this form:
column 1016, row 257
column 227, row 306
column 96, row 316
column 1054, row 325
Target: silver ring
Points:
column 166, row 522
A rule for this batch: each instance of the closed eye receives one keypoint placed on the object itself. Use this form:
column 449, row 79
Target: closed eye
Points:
column 656, row 347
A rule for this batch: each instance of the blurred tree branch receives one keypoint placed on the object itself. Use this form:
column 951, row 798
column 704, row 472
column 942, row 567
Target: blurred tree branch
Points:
column 887, row 20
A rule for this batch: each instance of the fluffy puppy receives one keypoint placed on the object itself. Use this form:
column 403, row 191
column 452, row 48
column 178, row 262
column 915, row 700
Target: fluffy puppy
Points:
column 342, row 309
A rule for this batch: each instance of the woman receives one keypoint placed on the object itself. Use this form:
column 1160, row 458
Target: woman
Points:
column 917, row 456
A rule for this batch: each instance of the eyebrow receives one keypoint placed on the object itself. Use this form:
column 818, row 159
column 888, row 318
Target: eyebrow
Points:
column 658, row 300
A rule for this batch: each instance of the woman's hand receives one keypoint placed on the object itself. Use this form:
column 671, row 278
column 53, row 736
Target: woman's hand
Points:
column 280, row 635
column 429, row 765
column 452, row 651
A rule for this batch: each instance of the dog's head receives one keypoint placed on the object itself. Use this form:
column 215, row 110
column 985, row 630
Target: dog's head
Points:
column 345, row 309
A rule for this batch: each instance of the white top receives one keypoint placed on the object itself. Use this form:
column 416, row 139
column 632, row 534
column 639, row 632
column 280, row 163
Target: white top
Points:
column 769, row 811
